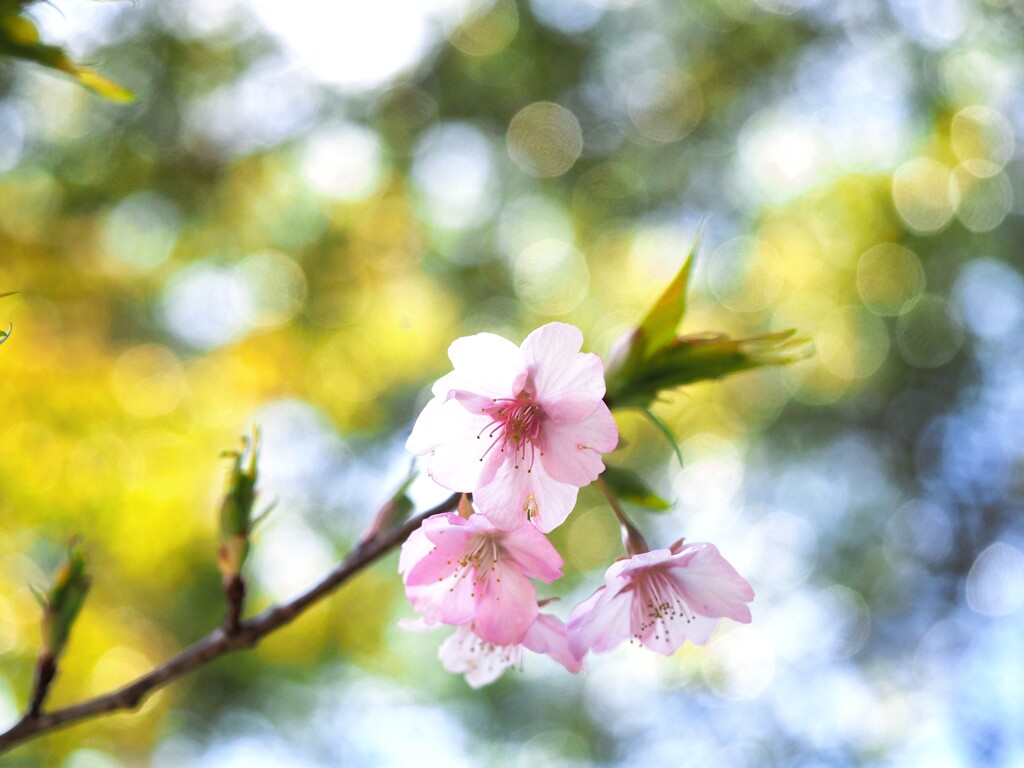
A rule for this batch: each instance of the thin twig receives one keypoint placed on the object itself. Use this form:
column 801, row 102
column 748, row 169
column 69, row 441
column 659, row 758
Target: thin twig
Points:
column 46, row 669
column 219, row 643
column 234, row 595
column 632, row 539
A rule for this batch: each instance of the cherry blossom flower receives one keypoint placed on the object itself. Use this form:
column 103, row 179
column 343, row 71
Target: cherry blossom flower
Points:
column 482, row 663
column 460, row 571
column 662, row 599
column 522, row 428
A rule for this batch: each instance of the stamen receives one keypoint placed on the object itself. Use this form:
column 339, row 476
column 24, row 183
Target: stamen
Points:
column 514, row 422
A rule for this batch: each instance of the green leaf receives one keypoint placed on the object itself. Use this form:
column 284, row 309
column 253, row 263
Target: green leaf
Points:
column 628, row 355
column 627, row 485
column 658, row 327
column 689, row 359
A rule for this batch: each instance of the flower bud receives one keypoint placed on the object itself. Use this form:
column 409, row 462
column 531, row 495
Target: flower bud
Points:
column 236, row 520
column 62, row 602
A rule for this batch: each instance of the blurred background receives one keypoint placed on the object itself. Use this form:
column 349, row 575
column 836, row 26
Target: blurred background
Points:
column 308, row 201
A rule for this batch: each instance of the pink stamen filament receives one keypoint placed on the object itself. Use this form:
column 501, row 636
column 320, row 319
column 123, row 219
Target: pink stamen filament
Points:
column 516, row 422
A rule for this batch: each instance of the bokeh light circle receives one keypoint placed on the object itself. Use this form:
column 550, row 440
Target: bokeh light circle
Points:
column 744, row 275
column 545, row 139
column 852, row 342
column 665, row 107
column 924, row 194
column 929, row 335
column 486, row 27
column 890, row 279
column 995, row 583
column 982, row 140
column 984, row 201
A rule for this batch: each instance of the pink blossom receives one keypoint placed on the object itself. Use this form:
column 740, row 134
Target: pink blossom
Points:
column 483, row 663
column 459, row 571
column 522, row 428
column 662, row 599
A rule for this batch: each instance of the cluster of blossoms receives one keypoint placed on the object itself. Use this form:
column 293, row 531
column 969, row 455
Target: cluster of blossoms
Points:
column 522, row 429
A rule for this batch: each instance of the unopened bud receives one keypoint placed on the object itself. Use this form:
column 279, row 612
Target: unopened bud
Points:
column 236, row 509
column 62, row 602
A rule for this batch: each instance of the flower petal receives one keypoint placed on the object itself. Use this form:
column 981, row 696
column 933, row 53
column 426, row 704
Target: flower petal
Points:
column 415, row 548
column 600, row 622
column 572, row 452
column 709, row 584
column 507, row 604
column 547, row 635
column 515, row 494
column 566, row 383
column 455, row 455
column 481, row 662
column 488, row 364
column 533, row 553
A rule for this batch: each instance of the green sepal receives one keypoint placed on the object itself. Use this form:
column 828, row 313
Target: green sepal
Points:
column 628, row 486
column 690, row 359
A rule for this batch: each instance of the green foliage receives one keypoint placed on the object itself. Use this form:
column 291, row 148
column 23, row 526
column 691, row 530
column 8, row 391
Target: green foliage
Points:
column 689, row 359
column 651, row 359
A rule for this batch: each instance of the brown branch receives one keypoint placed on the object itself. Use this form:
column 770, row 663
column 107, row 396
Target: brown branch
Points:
column 219, row 643
column 46, row 669
column 234, row 594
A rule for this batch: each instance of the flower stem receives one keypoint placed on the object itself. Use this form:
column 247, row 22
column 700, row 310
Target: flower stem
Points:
column 632, row 539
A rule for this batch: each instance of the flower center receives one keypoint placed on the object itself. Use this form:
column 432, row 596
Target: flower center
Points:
column 514, row 428
column 657, row 604
column 478, row 562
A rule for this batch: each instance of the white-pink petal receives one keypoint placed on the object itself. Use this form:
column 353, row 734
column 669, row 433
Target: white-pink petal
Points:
column 518, row 494
column 600, row 622
column 572, row 452
column 568, row 384
column 479, row 661
column 507, row 605
column 710, row 585
column 547, row 636
column 661, row 598
column 488, row 364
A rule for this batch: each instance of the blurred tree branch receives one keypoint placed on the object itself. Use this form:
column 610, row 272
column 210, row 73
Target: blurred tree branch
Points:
column 221, row 642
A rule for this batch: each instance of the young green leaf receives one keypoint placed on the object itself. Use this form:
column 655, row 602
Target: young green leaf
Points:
column 689, row 359
column 658, row 327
